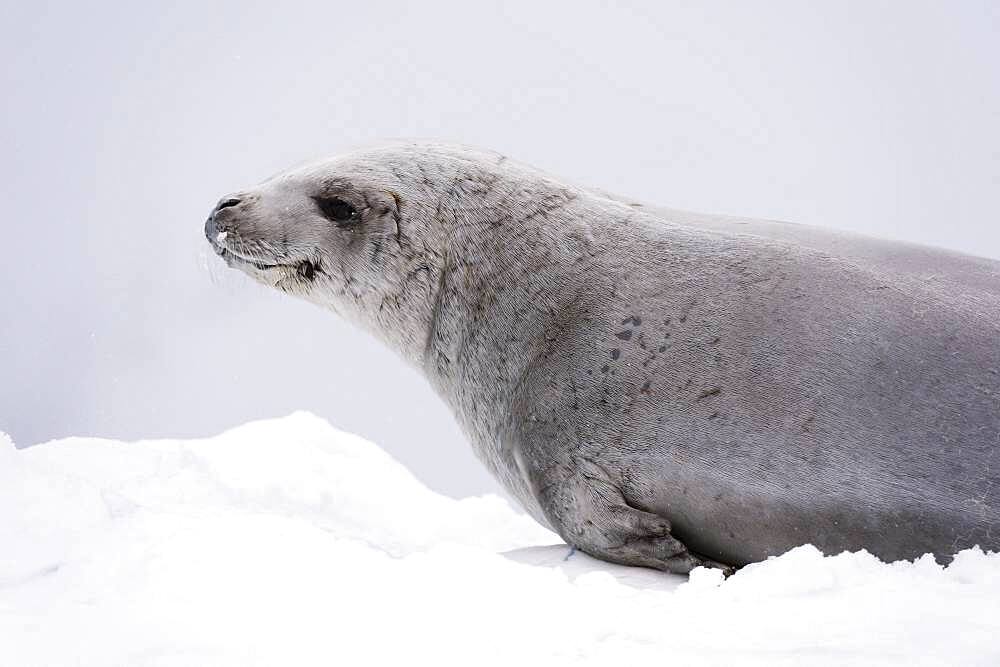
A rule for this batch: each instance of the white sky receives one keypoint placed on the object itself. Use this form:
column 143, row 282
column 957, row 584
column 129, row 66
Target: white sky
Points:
column 122, row 124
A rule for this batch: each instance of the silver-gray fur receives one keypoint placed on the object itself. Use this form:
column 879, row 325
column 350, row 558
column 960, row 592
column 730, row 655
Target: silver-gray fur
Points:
column 657, row 386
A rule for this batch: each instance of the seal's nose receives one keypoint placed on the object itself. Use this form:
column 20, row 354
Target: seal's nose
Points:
column 228, row 202
column 214, row 224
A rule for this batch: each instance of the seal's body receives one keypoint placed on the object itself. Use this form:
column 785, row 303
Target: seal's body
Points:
column 659, row 387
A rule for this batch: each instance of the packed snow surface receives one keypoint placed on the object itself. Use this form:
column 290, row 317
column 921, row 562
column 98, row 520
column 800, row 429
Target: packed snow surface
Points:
column 287, row 542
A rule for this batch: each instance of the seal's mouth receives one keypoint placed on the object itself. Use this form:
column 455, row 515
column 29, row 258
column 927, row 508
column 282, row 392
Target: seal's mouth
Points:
column 231, row 255
column 304, row 268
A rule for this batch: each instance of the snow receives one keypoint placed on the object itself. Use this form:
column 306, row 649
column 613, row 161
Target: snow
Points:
column 287, row 542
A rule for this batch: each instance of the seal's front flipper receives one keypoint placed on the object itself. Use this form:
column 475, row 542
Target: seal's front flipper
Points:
column 590, row 513
column 636, row 537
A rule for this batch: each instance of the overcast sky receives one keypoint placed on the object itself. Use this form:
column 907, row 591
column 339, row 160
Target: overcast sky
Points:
column 122, row 124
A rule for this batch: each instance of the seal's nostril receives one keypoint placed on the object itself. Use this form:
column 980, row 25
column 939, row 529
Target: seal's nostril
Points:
column 227, row 203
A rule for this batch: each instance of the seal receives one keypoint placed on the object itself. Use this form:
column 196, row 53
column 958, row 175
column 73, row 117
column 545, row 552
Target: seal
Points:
column 661, row 388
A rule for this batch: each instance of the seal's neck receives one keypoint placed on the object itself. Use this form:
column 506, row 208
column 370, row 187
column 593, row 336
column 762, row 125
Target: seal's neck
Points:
column 501, row 291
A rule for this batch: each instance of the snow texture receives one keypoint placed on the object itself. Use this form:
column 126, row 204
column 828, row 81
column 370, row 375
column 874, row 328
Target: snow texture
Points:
column 287, row 542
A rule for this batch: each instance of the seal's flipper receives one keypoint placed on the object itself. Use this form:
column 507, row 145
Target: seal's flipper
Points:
column 639, row 538
column 590, row 513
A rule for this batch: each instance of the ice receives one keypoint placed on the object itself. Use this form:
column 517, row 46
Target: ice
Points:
column 289, row 542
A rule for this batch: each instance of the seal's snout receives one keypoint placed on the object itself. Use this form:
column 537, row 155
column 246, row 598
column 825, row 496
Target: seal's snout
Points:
column 237, row 237
column 217, row 219
column 212, row 230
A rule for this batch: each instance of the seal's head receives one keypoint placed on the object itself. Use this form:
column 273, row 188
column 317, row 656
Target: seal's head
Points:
column 305, row 228
column 372, row 235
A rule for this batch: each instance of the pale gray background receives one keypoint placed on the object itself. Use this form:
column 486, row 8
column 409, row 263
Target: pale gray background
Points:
column 122, row 124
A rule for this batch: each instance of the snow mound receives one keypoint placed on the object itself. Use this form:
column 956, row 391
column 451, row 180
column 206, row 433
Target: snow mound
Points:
column 289, row 542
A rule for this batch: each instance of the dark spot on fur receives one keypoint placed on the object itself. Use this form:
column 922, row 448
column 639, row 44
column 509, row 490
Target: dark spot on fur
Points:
column 605, row 369
column 663, row 348
column 636, row 321
column 615, row 353
column 624, row 335
column 709, row 392
column 644, row 389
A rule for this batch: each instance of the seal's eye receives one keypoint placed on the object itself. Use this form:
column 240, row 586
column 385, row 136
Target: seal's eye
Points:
column 337, row 209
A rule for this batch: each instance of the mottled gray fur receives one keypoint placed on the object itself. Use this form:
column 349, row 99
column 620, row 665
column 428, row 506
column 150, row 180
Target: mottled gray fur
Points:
column 660, row 387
